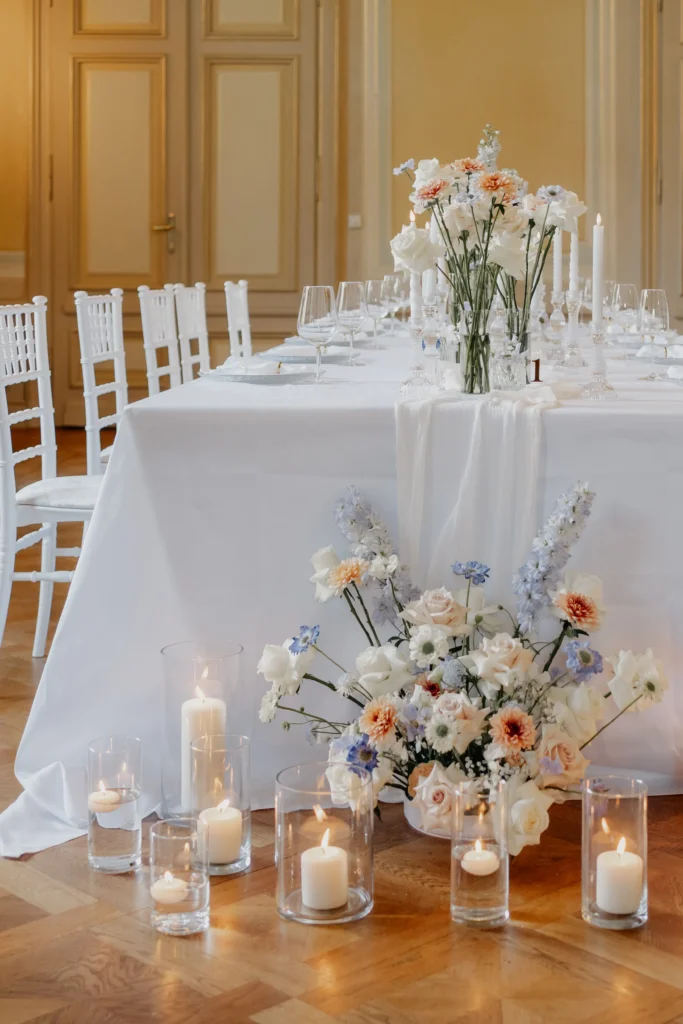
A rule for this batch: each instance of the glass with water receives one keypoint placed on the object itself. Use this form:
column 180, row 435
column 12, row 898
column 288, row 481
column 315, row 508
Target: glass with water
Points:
column 114, row 785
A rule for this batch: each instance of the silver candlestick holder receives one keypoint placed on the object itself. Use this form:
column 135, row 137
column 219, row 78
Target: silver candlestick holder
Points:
column 572, row 354
column 598, row 388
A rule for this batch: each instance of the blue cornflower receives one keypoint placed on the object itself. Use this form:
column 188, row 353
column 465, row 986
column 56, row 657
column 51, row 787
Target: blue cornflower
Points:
column 582, row 660
column 308, row 635
column 360, row 755
column 477, row 572
column 407, row 165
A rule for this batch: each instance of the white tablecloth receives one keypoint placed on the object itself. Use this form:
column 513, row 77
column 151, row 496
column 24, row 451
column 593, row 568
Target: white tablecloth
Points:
column 216, row 496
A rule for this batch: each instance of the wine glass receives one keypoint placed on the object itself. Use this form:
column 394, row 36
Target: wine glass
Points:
column 654, row 320
column 625, row 306
column 390, row 296
column 374, row 304
column 588, row 295
column 317, row 320
column 351, row 310
column 403, row 293
column 608, row 299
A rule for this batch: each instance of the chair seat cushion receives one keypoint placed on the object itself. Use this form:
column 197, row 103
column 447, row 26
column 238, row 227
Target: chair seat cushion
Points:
column 106, row 453
column 61, row 492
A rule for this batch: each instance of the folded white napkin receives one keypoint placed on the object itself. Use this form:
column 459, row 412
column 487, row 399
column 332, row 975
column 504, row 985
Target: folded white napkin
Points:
column 295, row 348
column 675, row 372
column 250, row 367
column 675, row 351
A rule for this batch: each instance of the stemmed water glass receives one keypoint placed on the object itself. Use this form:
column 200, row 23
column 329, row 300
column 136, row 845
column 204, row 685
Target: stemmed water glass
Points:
column 351, row 310
column 654, row 320
column 374, row 304
column 317, row 319
column 403, row 293
column 391, row 299
column 625, row 306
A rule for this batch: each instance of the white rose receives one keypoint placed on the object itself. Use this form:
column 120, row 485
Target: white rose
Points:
column 560, row 760
column 436, row 608
column 382, row 670
column 346, row 786
column 282, row 668
column 577, row 709
column 513, row 219
column 508, row 252
column 637, row 676
column 528, row 816
column 323, row 561
column 434, row 797
column 412, row 250
column 426, row 170
column 499, row 662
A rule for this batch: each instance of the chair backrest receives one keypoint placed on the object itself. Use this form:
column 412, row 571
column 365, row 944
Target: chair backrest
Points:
column 24, row 359
column 190, row 304
column 100, row 335
column 239, row 328
column 157, row 310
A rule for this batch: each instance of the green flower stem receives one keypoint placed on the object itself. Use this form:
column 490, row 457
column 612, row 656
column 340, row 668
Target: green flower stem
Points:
column 556, row 646
column 611, row 721
column 357, row 617
column 315, row 718
column 330, row 686
column 340, row 667
column 367, row 615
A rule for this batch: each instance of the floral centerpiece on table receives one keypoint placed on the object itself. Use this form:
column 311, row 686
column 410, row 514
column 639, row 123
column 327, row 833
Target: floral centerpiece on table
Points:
column 494, row 239
column 460, row 688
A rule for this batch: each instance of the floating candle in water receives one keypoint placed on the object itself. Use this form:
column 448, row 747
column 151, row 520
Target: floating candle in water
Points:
column 169, row 889
column 104, row 800
column 480, row 861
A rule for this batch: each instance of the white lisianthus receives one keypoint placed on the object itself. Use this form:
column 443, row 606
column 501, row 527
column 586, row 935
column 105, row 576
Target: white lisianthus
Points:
column 434, row 797
column 382, row 568
column 565, row 212
column 528, row 815
column 382, row 670
column 323, row 561
column 436, row 608
column 428, row 644
column 413, row 250
column 283, row 668
column 637, row 678
column 577, row 709
column 269, row 705
column 508, row 251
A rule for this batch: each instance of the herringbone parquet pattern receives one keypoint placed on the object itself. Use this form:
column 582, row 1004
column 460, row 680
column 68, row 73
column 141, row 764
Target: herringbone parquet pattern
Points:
column 76, row 947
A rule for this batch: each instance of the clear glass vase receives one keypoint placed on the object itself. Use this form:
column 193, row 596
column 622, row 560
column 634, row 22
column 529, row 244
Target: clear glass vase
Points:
column 479, row 855
column 220, row 795
column 475, row 353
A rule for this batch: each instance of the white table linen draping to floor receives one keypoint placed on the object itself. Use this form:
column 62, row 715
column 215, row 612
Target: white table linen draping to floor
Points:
column 217, row 495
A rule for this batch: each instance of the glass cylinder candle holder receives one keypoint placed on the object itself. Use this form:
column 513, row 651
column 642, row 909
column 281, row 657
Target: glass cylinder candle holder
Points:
column 479, row 855
column 220, row 794
column 614, row 852
column 323, row 843
column 114, row 784
column 179, row 876
column 200, row 681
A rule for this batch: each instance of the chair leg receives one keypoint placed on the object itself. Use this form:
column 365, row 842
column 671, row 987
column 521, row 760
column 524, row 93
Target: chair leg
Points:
column 47, row 564
column 7, row 555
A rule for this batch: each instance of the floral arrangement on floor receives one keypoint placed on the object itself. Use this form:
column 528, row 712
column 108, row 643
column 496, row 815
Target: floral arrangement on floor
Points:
column 461, row 688
column 494, row 237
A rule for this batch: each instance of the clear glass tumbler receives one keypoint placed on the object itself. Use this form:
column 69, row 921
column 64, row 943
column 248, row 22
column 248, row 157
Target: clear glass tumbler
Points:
column 323, row 843
column 179, row 876
column 479, row 855
column 614, row 852
column 200, row 682
column 114, row 784
column 220, row 790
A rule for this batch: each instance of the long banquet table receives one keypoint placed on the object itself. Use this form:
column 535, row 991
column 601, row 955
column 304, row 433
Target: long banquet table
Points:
column 215, row 498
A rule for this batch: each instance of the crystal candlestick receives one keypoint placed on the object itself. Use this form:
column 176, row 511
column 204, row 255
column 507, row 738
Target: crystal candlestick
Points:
column 418, row 384
column 556, row 326
column 572, row 354
column 598, row 389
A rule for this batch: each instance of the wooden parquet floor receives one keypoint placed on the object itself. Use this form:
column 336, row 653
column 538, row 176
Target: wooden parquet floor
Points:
column 77, row 948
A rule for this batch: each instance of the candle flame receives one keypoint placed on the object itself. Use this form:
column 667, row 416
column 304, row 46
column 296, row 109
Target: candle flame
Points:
column 412, row 216
column 622, row 845
column 477, row 845
column 605, row 826
column 205, row 673
column 199, row 693
column 319, row 813
column 103, row 788
column 598, row 219
column 223, row 806
column 168, row 877
column 324, row 842
column 482, row 811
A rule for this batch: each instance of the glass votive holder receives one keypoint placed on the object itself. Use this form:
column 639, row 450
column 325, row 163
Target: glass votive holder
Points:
column 614, row 852
column 479, row 855
column 199, row 681
column 179, row 876
column 220, row 793
column 323, row 843
column 508, row 371
column 114, row 783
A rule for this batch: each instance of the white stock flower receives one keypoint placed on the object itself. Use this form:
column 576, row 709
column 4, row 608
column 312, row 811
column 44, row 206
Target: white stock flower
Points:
column 436, row 608
column 282, row 668
column 528, row 815
column 268, row 705
column 323, row 561
column 428, row 644
column 637, row 676
column 382, row 670
column 382, row 568
column 413, row 250
column 577, row 709
column 434, row 797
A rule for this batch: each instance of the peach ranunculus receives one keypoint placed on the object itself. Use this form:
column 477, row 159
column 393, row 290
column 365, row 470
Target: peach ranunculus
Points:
column 513, row 730
column 351, row 570
column 580, row 601
column 560, row 760
column 378, row 722
column 497, row 182
column 437, row 608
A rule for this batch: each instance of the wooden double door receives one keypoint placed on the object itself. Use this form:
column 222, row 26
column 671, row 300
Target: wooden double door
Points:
column 190, row 140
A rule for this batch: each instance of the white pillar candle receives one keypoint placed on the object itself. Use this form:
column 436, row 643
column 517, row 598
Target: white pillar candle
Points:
column 574, row 262
column 104, row 800
column 598, row 269
column 225, row 832
column 557, row 261
column 324, row 876
column 480, row 861
column 415, row 295
column 619, row 880
column 199, row 716
column 169, row 889
column 429, row 286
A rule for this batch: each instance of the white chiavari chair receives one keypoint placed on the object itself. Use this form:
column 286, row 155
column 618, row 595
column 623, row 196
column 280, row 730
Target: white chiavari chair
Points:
column 100, row 335
column 157, row 310
column 49, row 500
column 239, row 327
column 191, row 311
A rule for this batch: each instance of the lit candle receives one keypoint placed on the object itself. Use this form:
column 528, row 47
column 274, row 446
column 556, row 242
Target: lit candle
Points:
column 225, row 832
column 324, row 876
column 415, row 285
column 169, row 889
column 557, row 261
column 598, row 269
column 574, row 262
column 480, row 861
column 316, row 827
column 200, row 716
column 103, row 800
column 619, row 880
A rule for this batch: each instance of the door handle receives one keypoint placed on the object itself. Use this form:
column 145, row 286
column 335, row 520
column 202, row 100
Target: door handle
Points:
column 169, row 227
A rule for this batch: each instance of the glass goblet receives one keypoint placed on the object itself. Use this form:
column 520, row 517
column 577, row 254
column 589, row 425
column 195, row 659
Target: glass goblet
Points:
column 317, row 320
column 654, row 320
column 351, row 310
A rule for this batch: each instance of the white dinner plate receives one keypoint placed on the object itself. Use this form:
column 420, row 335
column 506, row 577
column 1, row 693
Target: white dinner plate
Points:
column 286, row 375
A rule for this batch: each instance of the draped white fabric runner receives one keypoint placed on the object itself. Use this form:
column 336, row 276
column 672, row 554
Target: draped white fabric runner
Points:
column 493, row 517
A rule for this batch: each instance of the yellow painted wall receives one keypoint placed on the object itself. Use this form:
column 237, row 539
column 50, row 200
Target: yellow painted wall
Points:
column 15, row 121
column 458, row 64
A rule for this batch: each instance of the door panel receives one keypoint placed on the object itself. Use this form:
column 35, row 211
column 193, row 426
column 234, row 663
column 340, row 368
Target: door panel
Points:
column 252, row 19
column 120, row 17
column 671, row 215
